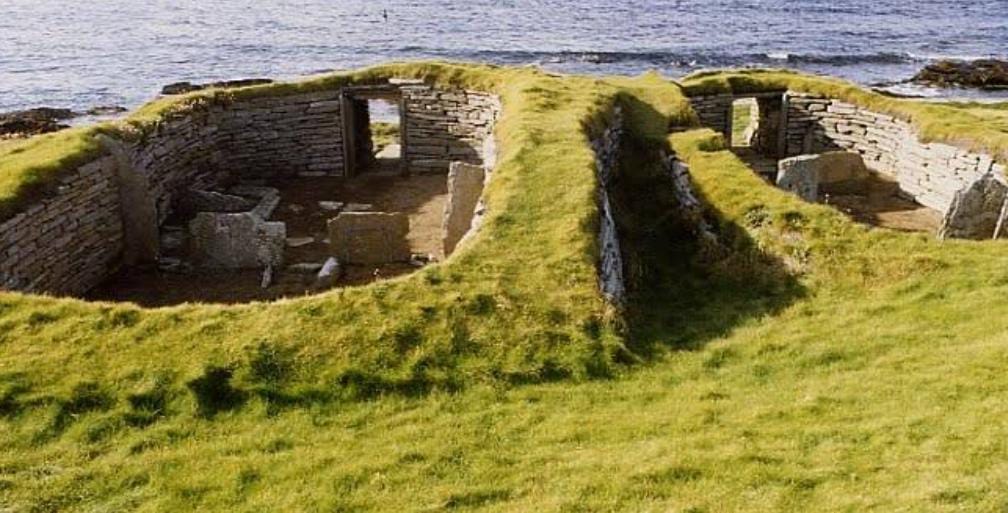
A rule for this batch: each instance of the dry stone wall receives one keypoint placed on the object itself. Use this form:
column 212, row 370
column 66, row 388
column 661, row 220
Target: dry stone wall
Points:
column 69, row 241
column 963, row 185
column 75, row 238
column 445, row 126
column 932, row 173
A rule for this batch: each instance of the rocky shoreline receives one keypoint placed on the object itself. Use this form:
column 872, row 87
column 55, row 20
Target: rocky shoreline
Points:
column 43, row 120
column 985, row 74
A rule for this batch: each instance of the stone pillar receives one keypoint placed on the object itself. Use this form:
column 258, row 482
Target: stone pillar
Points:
column 465, row 185
column 141, row 238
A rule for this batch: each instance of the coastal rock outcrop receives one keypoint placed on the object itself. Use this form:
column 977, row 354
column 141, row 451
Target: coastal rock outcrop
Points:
column 36, row 121
column 983, row 74
column 186, row 87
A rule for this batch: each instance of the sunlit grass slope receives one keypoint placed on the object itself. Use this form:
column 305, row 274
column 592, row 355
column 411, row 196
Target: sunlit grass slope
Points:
column 811, row 364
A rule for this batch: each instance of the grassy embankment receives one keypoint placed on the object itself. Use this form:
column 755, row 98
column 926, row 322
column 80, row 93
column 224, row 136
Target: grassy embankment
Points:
column 814, row 365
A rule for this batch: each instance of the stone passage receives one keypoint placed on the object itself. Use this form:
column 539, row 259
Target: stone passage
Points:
column 944, row 179
column 186, row 201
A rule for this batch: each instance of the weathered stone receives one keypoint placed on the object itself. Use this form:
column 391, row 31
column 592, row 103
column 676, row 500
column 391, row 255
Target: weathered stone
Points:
column 800, row 176
column 331, row 206
column 329, row 273
column 837, row 172
column 465, row 185
column 236, row 241
column 194, row 201
column 297, row 242
column 358, row 207
column 369, row 237
column 305, row 268
column 975, row 210
column 982, row 73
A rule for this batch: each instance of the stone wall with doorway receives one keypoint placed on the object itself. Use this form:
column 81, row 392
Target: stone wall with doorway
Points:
column 72, row 239
column 445, row 126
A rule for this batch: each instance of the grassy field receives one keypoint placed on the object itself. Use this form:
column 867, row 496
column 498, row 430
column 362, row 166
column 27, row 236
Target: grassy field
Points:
column 812, row 364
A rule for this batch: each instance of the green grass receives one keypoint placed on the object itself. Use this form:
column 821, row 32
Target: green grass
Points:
column 384, row 134
column 741, row 117
column 812, row 364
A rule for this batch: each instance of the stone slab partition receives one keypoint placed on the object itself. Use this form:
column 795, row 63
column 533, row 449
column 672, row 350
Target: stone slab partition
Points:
column 444, row 126
column 610, row 265
column 69, row 241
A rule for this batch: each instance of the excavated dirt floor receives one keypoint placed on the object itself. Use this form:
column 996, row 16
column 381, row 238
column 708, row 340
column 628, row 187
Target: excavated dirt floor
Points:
column 421, row 197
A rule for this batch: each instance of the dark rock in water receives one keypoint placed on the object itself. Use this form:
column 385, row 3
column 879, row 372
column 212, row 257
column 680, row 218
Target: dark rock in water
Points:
column 106, row 110
column 186, row 87
column 983, row 74
column 34, row 121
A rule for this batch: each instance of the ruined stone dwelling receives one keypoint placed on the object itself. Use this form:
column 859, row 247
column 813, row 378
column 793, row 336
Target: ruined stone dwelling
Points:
column 202, row 191
column 966, row 192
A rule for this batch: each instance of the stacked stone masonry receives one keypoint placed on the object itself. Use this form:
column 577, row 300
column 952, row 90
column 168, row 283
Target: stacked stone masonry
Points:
column 932, row 174
column 73, row 239
column 69, row 241
column 447, row 126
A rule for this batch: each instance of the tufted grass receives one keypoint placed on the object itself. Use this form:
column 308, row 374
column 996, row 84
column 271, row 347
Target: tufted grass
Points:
column 812, row 365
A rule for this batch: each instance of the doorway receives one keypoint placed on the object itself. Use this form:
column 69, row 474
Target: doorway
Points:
column 374, row 128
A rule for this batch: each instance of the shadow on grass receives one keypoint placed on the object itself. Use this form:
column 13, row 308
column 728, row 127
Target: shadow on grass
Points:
column 680, row 297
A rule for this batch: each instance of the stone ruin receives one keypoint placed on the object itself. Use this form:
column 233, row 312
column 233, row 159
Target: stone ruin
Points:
column 963, row 191
column 199, row 192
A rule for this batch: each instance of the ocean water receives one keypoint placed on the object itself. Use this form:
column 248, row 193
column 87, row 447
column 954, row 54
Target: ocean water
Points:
column 81, row 54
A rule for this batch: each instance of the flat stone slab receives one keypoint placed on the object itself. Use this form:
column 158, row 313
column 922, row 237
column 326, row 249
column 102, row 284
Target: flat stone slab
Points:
column 305, row 268
column 236, row 241
column 297, row 242
column 832, row 171
column 465, row 186
column 369, row 237
column 331, row 206
column 358, row 207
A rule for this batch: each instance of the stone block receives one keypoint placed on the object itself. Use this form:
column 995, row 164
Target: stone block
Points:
column 975, row 210
column 837, row 172
column 465, row 186
column 236, row 241
column 369, row 237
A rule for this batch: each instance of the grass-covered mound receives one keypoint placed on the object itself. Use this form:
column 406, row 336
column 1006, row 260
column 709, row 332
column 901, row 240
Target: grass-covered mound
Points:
column 812, row 364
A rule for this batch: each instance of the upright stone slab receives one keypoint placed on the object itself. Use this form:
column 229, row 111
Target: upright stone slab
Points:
column 839, row 172
column 236, row 241
column 800, row 176
column 465, row 185
column 141, row 239
column 975, row 210
column 369, row 237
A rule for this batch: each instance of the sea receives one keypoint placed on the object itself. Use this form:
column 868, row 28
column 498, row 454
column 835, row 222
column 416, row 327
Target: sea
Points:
column 78, row 55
